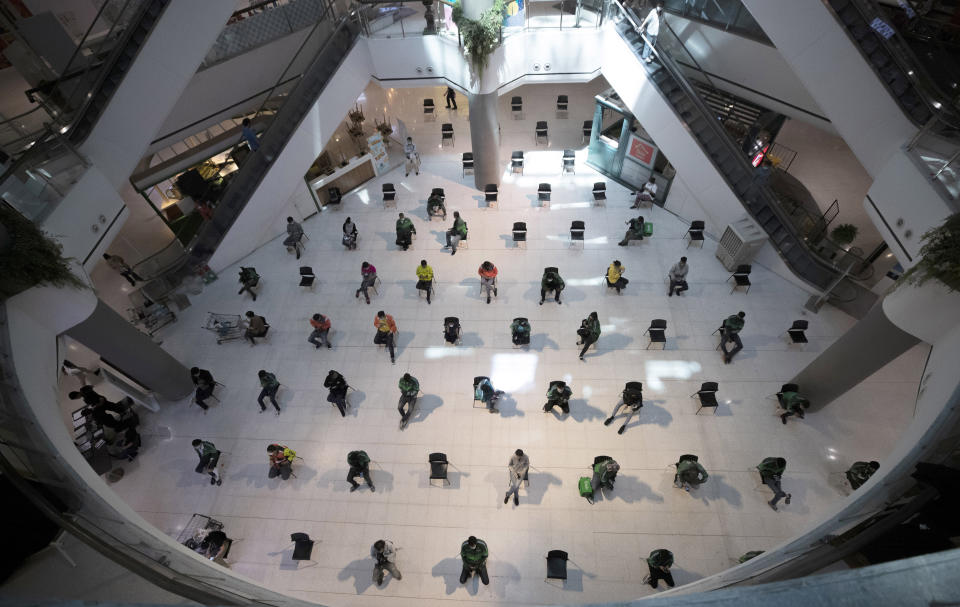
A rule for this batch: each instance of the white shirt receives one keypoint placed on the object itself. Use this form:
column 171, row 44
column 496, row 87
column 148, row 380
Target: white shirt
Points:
column 651, row 23
column 650, row 188
column 679, row 271
column 519, row 464
column 410, row 149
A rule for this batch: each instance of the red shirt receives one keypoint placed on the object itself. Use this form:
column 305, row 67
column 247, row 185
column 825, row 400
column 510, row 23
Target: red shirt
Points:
column 322, row 324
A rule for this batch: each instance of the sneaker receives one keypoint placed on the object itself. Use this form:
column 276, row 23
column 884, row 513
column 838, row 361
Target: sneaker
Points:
column 240, row 292
column 254, row 296
column 669, row 293
column 368, row 301
column 772, row 505
column 494, row 410
column 488, row 298
column 559, row 302
column 541, row 302
column 373, row 489
column 494, row 291
column 783, row 418
column 357, row 294
column 506, row 498
column 219, row 482
column 516, row 500
column 278, row 412
column 317, row 346
column 454, row 252
column 213, row 481
column 622, row 429
column 262, row 410
column 354, row 488
column 608, row 421
column 581, row 357
column 787, row 500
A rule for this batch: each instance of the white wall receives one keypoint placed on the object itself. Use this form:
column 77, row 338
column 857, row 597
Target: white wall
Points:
column 264, row 215
column 751, row 65
column 160, row 72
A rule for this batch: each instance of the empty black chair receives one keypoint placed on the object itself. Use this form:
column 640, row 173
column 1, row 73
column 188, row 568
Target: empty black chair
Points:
column 556, row 565
column 334, row 196
column 562, row 104
column 516, row 162
column 519, row 232
column 688, row 457
column 540, row 131
column 446, row 133
column 516, row 107
column 796, row 332
column 438, row 468
column 467, row 163
column 307, row 276
column 389, row 194
column 438, row 192
column 577, row 228
column 695, row 232
column 658, row 332
column 587, row 129
column 707, row 394
column 302, row 546
column 543, row 192
column 568, row 160
column 600, row 192
column 741, row 278
column 428, row 109
column 551, row 269
column 490, row 192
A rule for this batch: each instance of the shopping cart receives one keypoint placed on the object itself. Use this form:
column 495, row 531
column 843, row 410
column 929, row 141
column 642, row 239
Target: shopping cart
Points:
column 225, row 326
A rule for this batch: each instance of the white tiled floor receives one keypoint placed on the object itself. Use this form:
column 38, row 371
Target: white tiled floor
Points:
column 706, row 530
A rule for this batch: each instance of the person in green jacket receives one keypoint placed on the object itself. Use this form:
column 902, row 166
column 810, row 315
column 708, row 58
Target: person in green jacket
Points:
column 659, row 562
column 269, row 387
column 793, row 404
column 604, row 474
column 730, row 332
column 457, row 233
column 474, row 553
column 746, row 556
column 860, row 472
column 634, row 232
column 409, row 386
column 209, row 454
column 771, row 469
column 551, row 281
column 558, row 395
column 589, row 332
column 690, row 474
column 359, row 463
column 405, row 230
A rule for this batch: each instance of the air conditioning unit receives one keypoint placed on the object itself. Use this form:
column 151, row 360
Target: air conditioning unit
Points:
column 740, row 242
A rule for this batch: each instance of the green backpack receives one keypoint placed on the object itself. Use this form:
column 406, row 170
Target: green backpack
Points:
column 586, row 488
column 647, row 229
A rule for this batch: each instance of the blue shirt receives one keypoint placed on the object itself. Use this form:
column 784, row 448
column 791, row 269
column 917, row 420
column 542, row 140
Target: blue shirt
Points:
column 251, row 136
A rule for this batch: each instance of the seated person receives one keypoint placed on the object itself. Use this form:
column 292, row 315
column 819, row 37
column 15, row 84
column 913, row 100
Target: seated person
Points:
column 294, row 236
column 409, row 387
column 359, row 463
column 520, row 331
column 256, row 327
column 125, row 445
column 456, row 233
column 488, row 278
column 281, row 461
column 405, row 232
column 205, row 384
column 690, row 474
column 589, row 332
column 558, row 395
column 215, row 545
column 632, row 400
column 386, row 334
column 860, row 472
column 604, row 474
column 646, row 194
column 368, row 277
column 473, row 553
column 771, row 469
column 730, row 333
column 425, row 278
column 349, row 239
column 634, row 232
column 615, row 277
column 435, row 206
column 338, row 391
column 551, row 281
column 249, row 279
column 484, row 391
column 209, row 456
column 793, row 404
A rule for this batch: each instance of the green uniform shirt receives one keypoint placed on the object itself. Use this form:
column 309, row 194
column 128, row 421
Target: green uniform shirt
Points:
column 593, row 325
column 792, row 401
column 559, row 392
column 405, row 226
column 411, row 386
column 205, row 448
column 547, row 283
column 660, row 558
column 733, row 324
column 358, row 459
column 636, row 226
column 519, row 327
column 269, row 380
column 476, row 555
column 460, row 227
column 601, row 469
column 692, row 472
column 770, row 467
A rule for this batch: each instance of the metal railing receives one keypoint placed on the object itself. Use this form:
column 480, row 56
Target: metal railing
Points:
column 728, row 15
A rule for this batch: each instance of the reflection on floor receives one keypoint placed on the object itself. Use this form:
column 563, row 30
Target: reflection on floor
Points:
column 706, row 529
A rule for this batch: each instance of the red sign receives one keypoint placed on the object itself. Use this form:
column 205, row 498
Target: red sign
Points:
column 641, row 151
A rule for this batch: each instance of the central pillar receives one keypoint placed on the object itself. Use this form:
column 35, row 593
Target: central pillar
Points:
column 485, row 138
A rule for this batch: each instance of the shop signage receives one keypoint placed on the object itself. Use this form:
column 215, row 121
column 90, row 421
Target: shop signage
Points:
column 641, row 151
column 379, row 152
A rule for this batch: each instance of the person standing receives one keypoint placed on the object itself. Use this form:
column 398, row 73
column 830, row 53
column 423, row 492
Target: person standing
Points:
column 730, row 332
column 209, row 454
column 321, row 331
column 860, row 472
column 294, row 236
column 589, row 332
column 349, row 234
column 474, row 553
column 269, row 386
column 359, row 463
column 771, row 469
column 678, row 277
column 368, row 276
column 281, row 461
column 409, row 387
column 488, row 278
column 386, row 332
column 659, row 562
column 451, row 96
column 457, row 233
column 412, row 157
column 425, row 278
column 338, row 391
column 249, row 135
column 405, row 231
column 68, row 367
column 205, row 384
column 117, row 263
column 385, row 556
column 651, row 25
column 615, row 277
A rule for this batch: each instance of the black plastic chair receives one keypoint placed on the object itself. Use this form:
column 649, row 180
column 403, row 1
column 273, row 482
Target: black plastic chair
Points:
column 467, row 163
column 741, row 278
column 707, row 394
column 552, row 269
column 556, row 565
column 334, row 196
column 490, row 192
column 796, row 332
column 540, row 131
column 563, row 104
column 586, row 130
column 307, row 276
column 516, row 107
column 302, row 546
column 519, row 232
column 446, row 133
column 428, row 109
column 658, row 332
column 600, row 192
column 568, row 161
column 389, row 194
column 543, row 192
column 695, row 233
column 577, row 228
column 438, row 469
column 516, row 162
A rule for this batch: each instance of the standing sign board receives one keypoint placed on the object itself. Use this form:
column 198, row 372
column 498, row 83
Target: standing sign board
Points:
column 379, row 152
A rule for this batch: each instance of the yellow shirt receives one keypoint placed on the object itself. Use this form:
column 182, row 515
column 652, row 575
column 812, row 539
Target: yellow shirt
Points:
column 613, row 274
column 424, row 273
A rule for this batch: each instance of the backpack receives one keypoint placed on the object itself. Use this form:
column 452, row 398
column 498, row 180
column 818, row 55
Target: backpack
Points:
column 648, row 229
column 586, row 488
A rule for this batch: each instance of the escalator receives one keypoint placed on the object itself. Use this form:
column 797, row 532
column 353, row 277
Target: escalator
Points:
column 761, row 203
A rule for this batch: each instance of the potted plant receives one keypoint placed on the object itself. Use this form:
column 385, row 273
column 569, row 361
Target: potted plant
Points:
column 429, row 17
column 385, row 130
column 844, row 234
column 30, row 257
column 480, row 36
column 940, row 256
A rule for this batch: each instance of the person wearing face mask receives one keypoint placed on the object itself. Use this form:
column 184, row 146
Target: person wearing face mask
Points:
column 651, row 26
